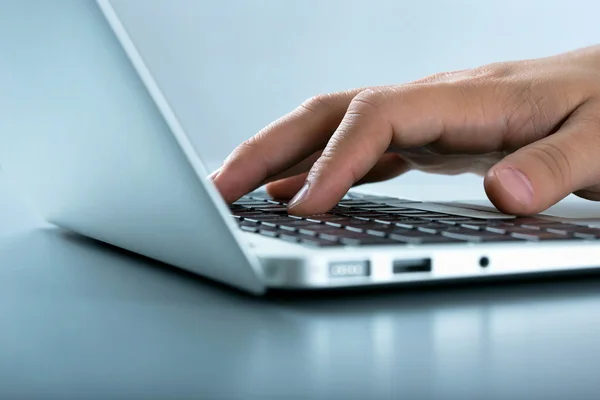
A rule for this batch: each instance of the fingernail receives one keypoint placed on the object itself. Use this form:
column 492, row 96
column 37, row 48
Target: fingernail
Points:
column 214, row 174
column 300, row 196
column 517, row 184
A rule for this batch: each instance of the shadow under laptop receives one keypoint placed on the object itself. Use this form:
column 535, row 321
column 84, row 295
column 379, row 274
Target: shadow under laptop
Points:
column 74, row 251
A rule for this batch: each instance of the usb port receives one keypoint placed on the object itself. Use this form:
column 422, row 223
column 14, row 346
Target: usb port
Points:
column 345, row 269
column 408, row 266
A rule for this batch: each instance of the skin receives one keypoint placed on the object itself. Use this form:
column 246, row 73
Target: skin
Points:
column 530, row 127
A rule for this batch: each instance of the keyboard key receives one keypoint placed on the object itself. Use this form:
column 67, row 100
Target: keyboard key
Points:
column 249, row 223
column 296, row 223
column 382, row 199
column 405, row 225
column 256, row 217
column 500, row 238
column 535, row 236
column 527, row 226
column 326, row 218
column 470, row 221
column 351, row 203
column 334, row 224
column 474, row 227
column 388, row 209
column 557, row 231
column 433, row 216
column 328, row 236
column 246, row 213
column 268, row 232
column 367, row 241
column 410, row 232
column 375, row 232
column 315, row 242
column 267, row 206
column 249, row 228
column 475, row 236
column 307, row 232
column 524, row 236
column 274, row 210
column 495, row 229
column 289, row 238
column 438, row 226
column 367, row 226
column 247, row 203
column 405, row 212
column 586, row 230
column 355, row 229
column 587, row 236
column 288, row 228
column 532, row 221
column 363, row 215
column 377, row 207
column 347, row 206
column 454, row 220
column 278, row 219
column 383, row 221
column 518, row 229
column 317, row 229
column 412, row 224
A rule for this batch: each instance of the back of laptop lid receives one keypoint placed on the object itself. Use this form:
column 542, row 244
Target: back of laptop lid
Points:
column 89, row 140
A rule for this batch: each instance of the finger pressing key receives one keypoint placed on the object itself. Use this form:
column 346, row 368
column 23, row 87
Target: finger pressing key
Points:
column 281, row 145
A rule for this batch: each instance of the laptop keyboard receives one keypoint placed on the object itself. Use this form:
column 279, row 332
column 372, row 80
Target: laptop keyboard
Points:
column 361, row 220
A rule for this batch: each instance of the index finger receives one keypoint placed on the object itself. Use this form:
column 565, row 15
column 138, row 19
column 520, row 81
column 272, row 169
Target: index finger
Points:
column 282, row 144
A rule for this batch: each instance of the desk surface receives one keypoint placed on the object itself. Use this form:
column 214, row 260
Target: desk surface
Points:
column 81, row 320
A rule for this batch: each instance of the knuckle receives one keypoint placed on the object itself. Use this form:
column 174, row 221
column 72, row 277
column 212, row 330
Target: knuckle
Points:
column 251, row 147
column 444, row 77
column 246, row 147
column 334, row 144
column 433, row 78
column 556, row 161
column 249, row 143
column 318, row 103
column 330, row 158
column 497, row 70
column 367, row 102
column 525, row 114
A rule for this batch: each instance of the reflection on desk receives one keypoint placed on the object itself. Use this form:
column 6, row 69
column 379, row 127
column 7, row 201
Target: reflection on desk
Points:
column 82, row 319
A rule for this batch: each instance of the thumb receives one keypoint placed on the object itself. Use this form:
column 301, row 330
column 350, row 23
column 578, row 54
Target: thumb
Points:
column 544, row 172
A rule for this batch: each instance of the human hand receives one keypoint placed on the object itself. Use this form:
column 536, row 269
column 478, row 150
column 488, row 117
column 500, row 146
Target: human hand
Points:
column 531, row 127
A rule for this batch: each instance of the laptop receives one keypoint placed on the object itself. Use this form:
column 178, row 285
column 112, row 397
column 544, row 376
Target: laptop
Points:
column 89, row 139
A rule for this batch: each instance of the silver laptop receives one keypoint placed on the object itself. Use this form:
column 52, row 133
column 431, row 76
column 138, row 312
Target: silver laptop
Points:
column 89, row 139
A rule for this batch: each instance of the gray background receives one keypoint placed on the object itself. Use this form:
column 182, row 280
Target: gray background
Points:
column 229, row 67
